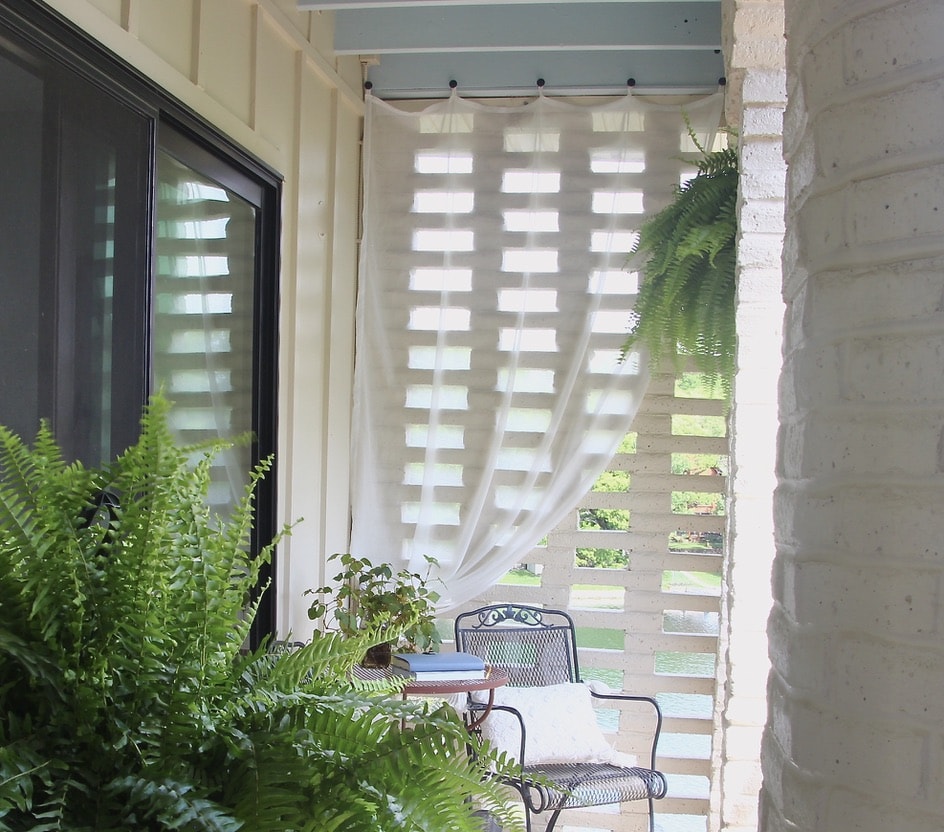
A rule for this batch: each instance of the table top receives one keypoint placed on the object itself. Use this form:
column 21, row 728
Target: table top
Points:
column 494, row 678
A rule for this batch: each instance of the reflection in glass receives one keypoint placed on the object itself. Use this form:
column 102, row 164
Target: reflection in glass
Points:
column 203, row 317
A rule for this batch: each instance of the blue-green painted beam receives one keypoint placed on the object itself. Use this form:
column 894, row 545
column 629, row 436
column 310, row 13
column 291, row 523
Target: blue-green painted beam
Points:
column 414, row 48
column 523, row 27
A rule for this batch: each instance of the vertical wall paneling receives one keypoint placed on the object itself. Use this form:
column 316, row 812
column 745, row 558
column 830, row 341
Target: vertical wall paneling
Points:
column 168, row 28
column 255, row 74
column 130, row 17
column 306, row 397
column 276, row 88
column 226, row 65
column 290, row 455
column 340, row 361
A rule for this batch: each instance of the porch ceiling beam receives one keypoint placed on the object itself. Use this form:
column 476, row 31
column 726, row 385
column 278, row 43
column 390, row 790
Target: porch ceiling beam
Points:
column 692, row 25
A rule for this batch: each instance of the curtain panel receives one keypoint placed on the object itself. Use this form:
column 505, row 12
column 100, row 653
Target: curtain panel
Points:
column 494, row 297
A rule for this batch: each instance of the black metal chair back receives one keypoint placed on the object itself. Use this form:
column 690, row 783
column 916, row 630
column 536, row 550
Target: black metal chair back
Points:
column 536, row 647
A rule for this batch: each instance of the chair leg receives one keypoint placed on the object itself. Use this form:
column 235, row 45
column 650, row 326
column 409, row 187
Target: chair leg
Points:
column 552, row 821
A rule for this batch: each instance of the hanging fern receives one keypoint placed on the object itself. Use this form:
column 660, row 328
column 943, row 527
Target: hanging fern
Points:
column 687, row 255
column 127, row 700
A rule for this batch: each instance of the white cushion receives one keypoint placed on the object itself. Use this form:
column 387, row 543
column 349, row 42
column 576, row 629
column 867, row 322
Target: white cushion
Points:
column 560, row 722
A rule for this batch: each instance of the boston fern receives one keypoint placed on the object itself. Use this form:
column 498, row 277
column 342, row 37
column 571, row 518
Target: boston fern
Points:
column 685, row 304
column 128, row 700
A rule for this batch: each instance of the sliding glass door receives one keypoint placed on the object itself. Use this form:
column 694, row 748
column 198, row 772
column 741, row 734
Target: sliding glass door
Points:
column 138, row 251
column 204, row 312
column 73, row 259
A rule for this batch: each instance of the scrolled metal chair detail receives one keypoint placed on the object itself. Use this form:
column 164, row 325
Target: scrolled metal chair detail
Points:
column 491, row 616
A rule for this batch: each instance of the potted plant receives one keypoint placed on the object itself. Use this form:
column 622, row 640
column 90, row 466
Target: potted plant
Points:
column 129, row 701
column 397, row 609
column 687, row 260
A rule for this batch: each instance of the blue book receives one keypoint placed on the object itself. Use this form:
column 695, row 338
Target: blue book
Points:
column 439, row 663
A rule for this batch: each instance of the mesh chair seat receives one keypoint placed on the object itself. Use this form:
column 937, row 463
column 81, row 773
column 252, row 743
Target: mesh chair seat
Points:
column 576, row 785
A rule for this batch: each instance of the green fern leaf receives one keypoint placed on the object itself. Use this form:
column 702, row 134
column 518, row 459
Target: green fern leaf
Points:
column 686, row 255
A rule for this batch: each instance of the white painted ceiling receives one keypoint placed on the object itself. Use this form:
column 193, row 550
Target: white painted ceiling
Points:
column 415, row 48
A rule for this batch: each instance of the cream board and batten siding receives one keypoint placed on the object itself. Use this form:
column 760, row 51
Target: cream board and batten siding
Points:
column 263, row 74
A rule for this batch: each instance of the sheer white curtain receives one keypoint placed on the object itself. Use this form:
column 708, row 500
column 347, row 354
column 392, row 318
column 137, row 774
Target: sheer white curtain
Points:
column 493, row 301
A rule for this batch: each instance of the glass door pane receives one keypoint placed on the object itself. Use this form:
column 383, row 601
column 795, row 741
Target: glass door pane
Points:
column 21, row 101
column 203, row 315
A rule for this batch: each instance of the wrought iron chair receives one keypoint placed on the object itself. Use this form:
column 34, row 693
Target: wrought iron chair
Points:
column 538, row 647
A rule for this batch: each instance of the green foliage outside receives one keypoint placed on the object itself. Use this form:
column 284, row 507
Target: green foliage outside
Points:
column 696, row 542
column 520, row 577
column 698, row 502
column 699, row 465
column 699, row 385
column 628, row 445
column 602, row 558
column 684, row 424
column 128, row 700
column 603, row 519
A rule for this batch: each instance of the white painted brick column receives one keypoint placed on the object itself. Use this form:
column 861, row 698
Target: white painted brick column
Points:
column 856, row 733
column 755, row 100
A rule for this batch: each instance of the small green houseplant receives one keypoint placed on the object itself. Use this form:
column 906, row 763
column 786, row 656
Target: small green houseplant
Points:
column 687, row 260
column 128, row 700
column 400, row 607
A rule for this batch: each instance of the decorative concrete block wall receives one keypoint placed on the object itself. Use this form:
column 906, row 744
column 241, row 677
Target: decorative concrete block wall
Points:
column 856, row 733
column 649, row 626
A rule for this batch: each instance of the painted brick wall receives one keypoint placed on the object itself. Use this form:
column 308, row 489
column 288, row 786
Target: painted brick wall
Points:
column 755, row 100
column 856, row 733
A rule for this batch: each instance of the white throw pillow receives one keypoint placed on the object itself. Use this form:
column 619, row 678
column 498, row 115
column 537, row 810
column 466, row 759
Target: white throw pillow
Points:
column 560, row 722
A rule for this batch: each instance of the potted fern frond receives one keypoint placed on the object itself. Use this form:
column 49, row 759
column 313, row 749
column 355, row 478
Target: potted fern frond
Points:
column 128, row 700
column 686, row 257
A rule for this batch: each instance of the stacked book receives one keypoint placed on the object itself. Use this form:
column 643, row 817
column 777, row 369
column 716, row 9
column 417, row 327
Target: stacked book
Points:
column 437, row 667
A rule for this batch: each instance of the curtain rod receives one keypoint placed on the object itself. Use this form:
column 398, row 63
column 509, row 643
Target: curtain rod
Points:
column 517, row 91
